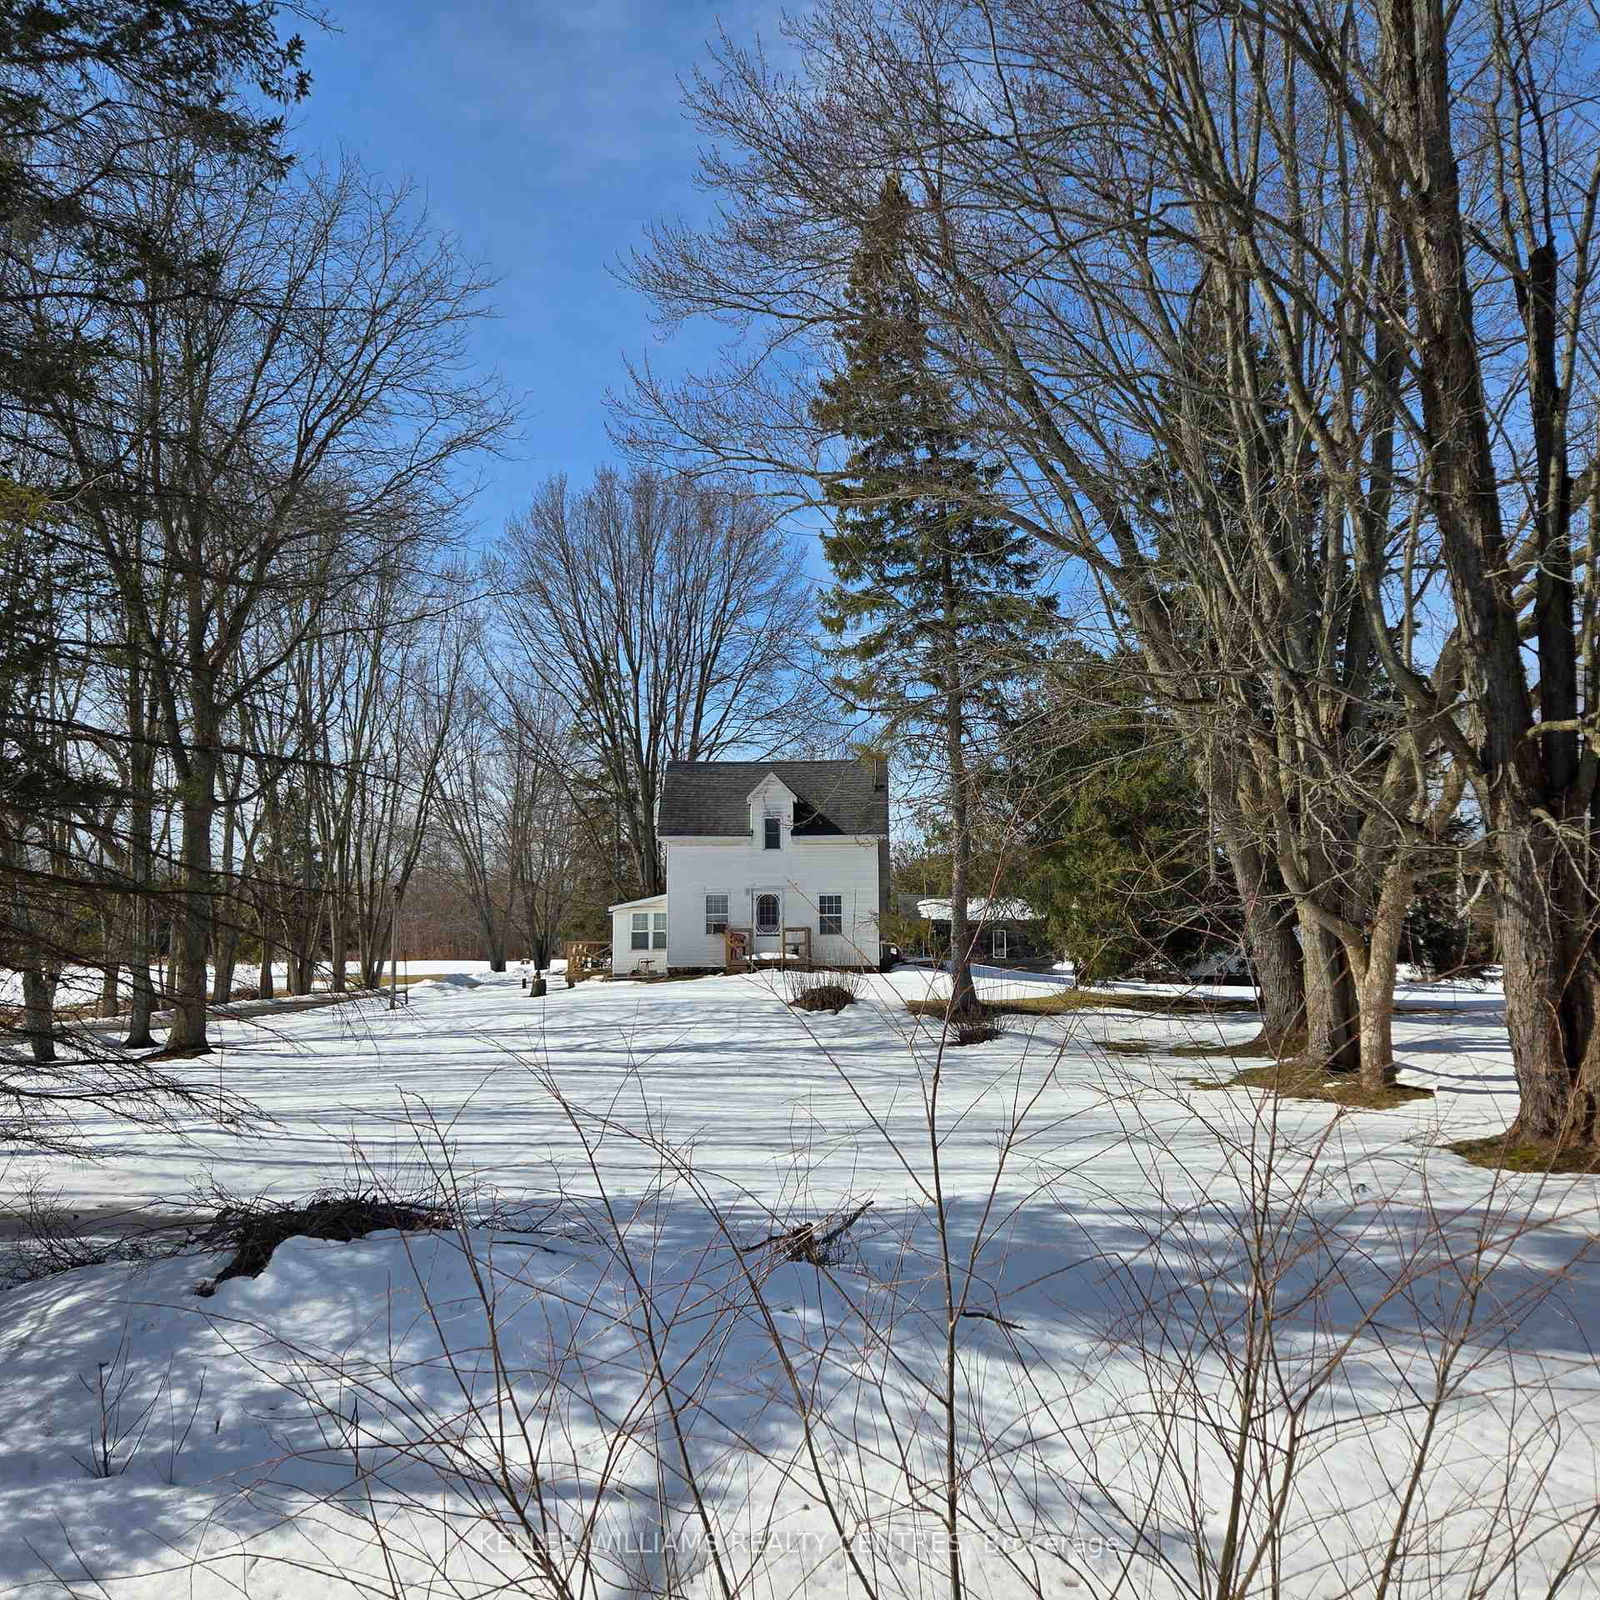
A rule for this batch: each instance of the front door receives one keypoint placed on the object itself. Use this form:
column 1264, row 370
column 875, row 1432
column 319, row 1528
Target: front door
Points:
column 767, row 921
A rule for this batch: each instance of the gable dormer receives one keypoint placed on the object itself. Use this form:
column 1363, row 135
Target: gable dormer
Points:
column 772, row 809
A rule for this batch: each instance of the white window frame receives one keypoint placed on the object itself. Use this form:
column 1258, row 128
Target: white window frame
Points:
column 1000, row 944
column 639, row 936
column 772, row 831
column 777, row 916
column 658, row 930
column 717, row 921
column 824, row 916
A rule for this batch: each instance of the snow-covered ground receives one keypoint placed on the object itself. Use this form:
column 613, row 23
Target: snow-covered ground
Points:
column 721, row 1062
column 81, row 985
column 1180, row 1330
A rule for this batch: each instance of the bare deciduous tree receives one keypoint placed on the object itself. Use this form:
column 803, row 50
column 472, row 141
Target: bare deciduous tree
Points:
column 667, row 619
column 275, row 440
column 1385, row 550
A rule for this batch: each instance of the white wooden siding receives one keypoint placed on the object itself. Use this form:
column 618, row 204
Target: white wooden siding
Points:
column 800, row 871
column 624, row 958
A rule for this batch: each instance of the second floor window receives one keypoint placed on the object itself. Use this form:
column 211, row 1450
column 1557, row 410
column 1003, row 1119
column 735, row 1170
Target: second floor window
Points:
column 772, row 835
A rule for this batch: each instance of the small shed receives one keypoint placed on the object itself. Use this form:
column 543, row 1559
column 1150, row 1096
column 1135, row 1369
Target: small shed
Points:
column 639, row 936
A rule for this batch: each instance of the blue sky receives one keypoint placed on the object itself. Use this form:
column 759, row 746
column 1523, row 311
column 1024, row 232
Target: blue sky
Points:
column 545, row 135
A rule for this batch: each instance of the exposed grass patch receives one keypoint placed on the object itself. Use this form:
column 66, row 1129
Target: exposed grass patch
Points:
column 1257, row 1048
column 12, row 1018
column 1293, row 1080
column 1066, row 1001
column 1128, row 1047
column 1500, row 1155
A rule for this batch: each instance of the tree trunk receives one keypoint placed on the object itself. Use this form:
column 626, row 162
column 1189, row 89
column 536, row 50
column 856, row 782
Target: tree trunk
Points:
column 394, row 927
column 39, row 1012
column 1333, row 1019
column 141, row 817
column 198, row 810
column 267, row 983
column 963, row 995
column 310, row 899
column 227, row 957
column 111, row 917
column 1269, row 936
column 1546, row 901
column 225, row 912
column 1552, row 988
column 338, row 942
column 139, row 1036
column 1374, row 969
column 109, row 988
column 642, row 843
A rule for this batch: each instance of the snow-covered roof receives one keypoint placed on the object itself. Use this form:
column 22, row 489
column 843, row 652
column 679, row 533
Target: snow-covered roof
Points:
column 979, row 909
column 648, row 900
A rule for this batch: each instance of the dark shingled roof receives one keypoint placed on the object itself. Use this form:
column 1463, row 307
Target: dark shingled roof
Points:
column 710, row 798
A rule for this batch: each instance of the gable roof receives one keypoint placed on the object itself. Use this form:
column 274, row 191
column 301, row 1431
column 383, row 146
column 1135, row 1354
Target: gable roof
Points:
column 643, row 900
column 712, row 798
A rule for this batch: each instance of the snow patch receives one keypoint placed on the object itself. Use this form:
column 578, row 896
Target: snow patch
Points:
column 448, row 980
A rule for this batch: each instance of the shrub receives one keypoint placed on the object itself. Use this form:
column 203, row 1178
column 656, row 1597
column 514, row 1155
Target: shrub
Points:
column 253, row 1229
column 824, row 997
column 818, row 1244
column 812, row 989
column 49, row 1239
column 972, row 1033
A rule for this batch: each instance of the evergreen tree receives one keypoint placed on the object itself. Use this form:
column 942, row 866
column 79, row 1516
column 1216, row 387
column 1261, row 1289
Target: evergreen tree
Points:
column 93, row 95
column 1119, row 856
column 933, row 609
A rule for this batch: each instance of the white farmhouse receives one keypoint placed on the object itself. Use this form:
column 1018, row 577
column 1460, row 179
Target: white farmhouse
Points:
column 793, row 854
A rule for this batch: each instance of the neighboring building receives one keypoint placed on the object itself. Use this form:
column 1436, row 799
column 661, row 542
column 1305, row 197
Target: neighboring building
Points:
column 786, row 854
column 1005, row 930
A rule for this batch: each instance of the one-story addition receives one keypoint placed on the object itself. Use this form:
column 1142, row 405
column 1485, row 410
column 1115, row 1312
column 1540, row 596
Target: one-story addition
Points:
column 1002, row 930
column 763, row 859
